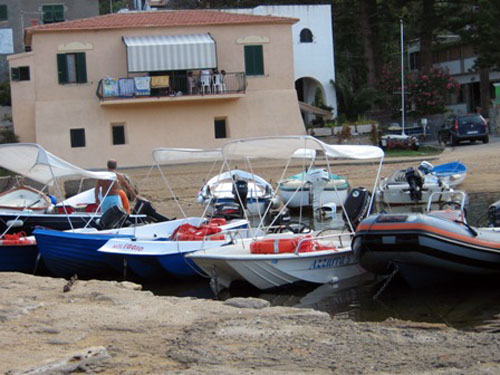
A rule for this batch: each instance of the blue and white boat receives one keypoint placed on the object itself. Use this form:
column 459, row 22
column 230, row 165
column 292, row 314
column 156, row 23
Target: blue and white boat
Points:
column 453, row 173
column 156, row 258
column 66, row 253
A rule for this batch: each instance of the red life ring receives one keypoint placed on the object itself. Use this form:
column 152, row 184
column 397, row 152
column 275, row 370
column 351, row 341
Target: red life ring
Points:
column 287, row 245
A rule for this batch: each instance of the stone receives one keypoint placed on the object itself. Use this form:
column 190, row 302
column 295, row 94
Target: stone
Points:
column 247, row 303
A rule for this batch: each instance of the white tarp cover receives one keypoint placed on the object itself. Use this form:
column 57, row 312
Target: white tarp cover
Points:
column 170, row 52
column 34, row 162
column 285, row 147
column 164, row 155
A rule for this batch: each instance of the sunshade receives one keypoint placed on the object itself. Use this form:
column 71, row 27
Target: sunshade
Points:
column 33, row 161
column 170, row 52
column 292, row 146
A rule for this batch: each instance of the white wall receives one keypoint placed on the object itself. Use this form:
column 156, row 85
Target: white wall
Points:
column 315, row 60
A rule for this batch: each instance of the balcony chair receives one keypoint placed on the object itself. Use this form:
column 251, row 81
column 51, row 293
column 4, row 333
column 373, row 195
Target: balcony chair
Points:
column 219, row 84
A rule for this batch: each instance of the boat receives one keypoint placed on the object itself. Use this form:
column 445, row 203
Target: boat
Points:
column 18, row 253
column 34, row 162
column 432, row 248
column 411, row 186
column 302, row 189
column 24, row 198
column 279, row 259
column 238, row 188
column 453, row 173
column 66, row 253
column 149, row 250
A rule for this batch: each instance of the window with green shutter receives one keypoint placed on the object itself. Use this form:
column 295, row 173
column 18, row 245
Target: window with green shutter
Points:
column 20, row 73
column 3, row 12
column 53, row 13
column 72, row 68
column 254, row 61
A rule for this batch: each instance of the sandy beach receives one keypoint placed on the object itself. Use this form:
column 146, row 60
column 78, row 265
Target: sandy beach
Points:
column 50, row 326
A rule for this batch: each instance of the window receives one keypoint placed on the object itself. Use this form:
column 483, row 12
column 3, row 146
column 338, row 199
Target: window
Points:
column 71, row 68
column 254, row 61
column 20, row 73
column 53, row 13
column 306, row 36
column 3, row 12
column 220, row 128
column 414, row 60
column 77, row 137
column 118, row 134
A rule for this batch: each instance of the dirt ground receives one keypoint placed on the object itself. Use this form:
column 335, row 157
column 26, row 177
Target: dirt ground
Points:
column 103, row 327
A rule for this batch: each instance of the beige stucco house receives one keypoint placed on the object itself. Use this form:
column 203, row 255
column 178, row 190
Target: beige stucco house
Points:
column 119, row 85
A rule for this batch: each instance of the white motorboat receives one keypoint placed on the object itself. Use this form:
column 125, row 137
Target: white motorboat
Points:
column 411, row 186
column 314, row 186
column 240, row 187
column 279, row 259
column 22, row 198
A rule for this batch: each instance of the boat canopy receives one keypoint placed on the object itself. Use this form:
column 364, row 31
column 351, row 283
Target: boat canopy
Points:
column 33, row 161
column 165, row 155
column 286, row 147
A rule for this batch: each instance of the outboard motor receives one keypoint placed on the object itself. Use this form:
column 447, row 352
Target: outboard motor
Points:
column 115, row 217
column 240, row 189
column 425, row 167
column 415, row 180
column 357, row 205
column 494, row 214
column 228, row 211
column 144, row 207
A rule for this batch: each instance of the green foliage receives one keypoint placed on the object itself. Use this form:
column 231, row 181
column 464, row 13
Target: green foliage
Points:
column 353, row 102
column 112, row 6
column 8, row 136
column 422, row 151
column 5, row 94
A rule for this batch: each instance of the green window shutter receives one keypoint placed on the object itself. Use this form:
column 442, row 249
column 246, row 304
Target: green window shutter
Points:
column 81, row 68
column 58, row 13
column 254, row 60
column 3, row 12
column 14, row 74
column 47, row 14
column 62, row 69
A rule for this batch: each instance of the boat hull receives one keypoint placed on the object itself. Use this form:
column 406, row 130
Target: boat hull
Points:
column 18, row 258
column 66, row 254
column 302, row 197
column 265, row 271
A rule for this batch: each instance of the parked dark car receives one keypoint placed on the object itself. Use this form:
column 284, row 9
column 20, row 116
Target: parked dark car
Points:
column 457, row 128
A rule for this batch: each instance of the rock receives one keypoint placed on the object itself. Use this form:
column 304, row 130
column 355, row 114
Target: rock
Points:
column 247, row 303
column 130, row 285
column 75, row 363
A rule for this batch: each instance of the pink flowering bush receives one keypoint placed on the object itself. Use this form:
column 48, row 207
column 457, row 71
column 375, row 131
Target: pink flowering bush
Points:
column 426, row 93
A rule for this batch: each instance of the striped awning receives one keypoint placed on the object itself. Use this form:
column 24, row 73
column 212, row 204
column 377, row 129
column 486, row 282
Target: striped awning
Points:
column 170, row 52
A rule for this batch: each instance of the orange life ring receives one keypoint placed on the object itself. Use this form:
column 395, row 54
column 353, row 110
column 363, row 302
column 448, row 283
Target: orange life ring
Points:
column 125, row 202
column 287, row 245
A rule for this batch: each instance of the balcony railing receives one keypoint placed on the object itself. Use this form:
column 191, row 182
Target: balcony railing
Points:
column 172, row 85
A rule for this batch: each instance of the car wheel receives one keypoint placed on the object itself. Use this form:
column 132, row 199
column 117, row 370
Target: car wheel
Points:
column 440, row 140
column 486, row 139
column 453, row 140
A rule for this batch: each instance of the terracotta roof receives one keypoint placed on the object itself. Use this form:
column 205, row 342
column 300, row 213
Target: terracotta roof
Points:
column 160, row 19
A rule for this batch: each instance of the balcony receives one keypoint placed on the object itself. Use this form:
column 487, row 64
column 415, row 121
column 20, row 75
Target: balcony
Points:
column 171, row 88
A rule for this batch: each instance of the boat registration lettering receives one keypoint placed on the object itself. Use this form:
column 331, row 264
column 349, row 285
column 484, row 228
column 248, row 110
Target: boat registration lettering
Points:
column 329, row 262
column 127, row 247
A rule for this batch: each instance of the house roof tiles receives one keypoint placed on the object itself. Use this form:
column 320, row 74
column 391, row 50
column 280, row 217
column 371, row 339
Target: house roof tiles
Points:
column 159, row 19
